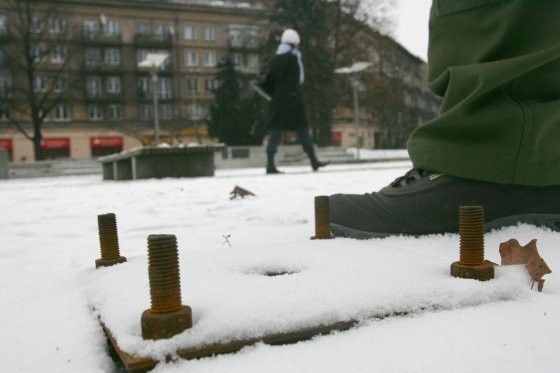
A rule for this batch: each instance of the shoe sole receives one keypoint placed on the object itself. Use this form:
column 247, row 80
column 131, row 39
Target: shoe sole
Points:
column 551, row 221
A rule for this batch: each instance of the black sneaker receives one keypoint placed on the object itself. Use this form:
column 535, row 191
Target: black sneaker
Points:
column 424, row 202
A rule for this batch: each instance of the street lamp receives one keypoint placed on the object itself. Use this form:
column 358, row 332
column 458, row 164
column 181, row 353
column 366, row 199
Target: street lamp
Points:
column 352, row 72
column 154, row 62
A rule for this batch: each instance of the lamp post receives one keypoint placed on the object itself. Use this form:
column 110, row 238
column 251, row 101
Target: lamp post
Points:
column 154, row 62
column 353, row 71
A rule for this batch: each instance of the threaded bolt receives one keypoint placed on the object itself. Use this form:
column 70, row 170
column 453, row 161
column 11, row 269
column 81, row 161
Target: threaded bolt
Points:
column 165, row 287
column 471, row 232
column 108, row 241
column 167, row 316
column 322, row 218
column 471, row 262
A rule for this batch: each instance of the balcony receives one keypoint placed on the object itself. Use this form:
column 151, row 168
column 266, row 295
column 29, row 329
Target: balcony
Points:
column 165, row 70
column 101, row 68
column 103, row 98
column 153, row 40
column 99, row 37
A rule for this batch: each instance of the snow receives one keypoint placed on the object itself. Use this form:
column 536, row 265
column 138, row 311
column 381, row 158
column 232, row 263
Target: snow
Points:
column 52, row 296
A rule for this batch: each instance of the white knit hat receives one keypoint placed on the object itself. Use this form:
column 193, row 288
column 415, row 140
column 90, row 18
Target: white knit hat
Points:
column 290, row 36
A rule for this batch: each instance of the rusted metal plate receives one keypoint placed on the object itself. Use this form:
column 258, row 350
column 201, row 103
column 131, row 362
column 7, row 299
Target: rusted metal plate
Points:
column 137, row 364
column 129, row 362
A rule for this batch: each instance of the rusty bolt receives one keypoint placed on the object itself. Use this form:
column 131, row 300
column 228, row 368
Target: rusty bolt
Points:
column 167, row 316
column 471, row 262
column 322, row 219
column 108, row 241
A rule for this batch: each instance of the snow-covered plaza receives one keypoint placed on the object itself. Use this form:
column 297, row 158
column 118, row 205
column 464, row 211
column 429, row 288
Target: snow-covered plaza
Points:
column 53, row 298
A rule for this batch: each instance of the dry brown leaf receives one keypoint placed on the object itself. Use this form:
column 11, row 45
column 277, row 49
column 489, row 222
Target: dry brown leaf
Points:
column 240, row 192
column 513, row 253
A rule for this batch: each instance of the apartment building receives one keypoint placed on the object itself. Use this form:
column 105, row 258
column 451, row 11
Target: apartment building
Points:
column 87, row 55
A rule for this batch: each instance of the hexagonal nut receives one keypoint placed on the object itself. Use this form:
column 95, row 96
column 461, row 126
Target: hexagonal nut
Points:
column 483, row 272
column 109, row 262
column 165, row 325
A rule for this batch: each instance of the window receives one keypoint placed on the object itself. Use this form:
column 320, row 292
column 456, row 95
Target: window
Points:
column 112, row 56
column 142, row 28
column 145, row 111
column 141, row 55
column 237, row 59
column 253, row 62
column 165, row 112
column 193, row 111
column 191, row 58
column 192, row 85
column 60, row 84
column 40, row 83
column 4, row 112
column 144, row 84
column 114, row 111
column 113, row 84
column 93, row 57
column 161, row 31
column 210, row 59
column 91, row 29
column 57, row 25
column 191, row 32
column 95, row 112
column 38, row 53
column 210, row 84
column 165, row 88
column 111, row 27
column 61, row 113
column 244, row 35
column 36, row 24
column 209, row 33
column 93, row 86
column 58, row 54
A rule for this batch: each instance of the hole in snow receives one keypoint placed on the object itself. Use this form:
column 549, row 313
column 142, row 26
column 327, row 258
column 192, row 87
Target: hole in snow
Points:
column 279, row 273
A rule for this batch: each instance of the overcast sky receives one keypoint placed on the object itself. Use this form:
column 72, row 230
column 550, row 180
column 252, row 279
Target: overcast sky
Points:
column 412, row 27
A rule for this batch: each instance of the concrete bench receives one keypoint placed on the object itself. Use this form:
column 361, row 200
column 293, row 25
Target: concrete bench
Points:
column 4, row 163
column 160, row 162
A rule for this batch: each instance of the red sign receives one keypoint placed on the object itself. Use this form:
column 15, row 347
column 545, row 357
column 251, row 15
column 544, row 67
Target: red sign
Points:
column 106, row 142
column 55, row 143
column 336, row 138
column 6, row 144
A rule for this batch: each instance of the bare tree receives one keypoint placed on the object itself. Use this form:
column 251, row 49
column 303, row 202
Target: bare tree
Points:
column 40, row 57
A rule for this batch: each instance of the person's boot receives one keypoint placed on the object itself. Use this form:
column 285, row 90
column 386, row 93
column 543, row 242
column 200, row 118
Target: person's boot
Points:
column 423, row 202
column 315, row 163
column 270, row 167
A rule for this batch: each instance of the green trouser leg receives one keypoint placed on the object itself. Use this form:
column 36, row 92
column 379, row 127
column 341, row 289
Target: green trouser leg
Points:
column 496, row 63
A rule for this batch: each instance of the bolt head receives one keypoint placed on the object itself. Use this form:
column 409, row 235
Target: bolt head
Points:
column 165, row 325
column 322, row 237
column 483, row 272
column 109, row 262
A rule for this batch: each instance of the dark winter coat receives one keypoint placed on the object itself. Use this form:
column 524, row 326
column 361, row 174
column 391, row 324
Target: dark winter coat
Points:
column 286, row 110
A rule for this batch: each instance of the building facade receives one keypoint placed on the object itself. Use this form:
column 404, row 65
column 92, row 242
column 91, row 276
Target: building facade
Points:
column 83, row 58
column 87, row 56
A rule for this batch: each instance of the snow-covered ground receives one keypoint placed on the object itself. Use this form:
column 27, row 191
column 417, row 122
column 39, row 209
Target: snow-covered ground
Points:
column 52, row 296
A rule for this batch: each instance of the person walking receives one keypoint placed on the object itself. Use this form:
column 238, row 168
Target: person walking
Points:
column 495, row 143
column 286, row 109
